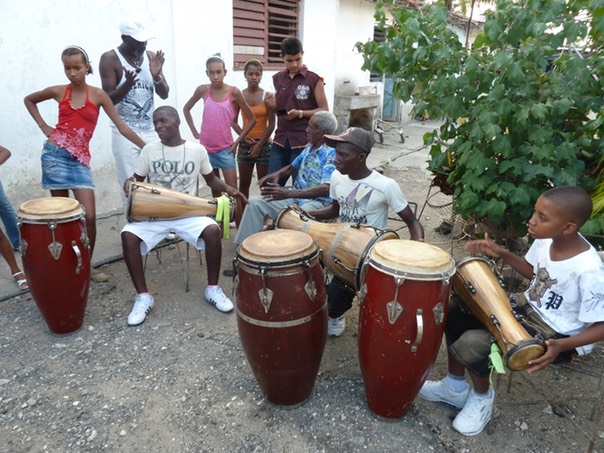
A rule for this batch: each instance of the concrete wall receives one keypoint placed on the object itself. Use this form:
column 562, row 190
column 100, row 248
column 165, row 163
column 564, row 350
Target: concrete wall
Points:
column 36, row 31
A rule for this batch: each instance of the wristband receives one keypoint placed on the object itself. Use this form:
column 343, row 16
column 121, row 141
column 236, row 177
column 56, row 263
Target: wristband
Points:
column 301, row 114
column 158, row 81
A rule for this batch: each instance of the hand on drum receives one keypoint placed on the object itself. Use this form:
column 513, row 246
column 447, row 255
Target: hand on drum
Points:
column 553, row 350
column 485, row 246
column 273, row 191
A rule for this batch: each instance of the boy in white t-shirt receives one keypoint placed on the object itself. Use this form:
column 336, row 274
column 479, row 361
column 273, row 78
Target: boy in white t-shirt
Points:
column 564, row 302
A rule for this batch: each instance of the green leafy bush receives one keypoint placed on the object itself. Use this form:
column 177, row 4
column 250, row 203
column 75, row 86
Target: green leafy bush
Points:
column 522, row 108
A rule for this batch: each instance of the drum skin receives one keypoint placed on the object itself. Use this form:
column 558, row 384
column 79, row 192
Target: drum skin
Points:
column 283, row 339
column 401, row 321
column 480, row 291
column 59, row 284
column 344, row 246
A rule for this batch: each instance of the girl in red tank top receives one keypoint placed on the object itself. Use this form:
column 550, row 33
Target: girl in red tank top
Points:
column 66, row 154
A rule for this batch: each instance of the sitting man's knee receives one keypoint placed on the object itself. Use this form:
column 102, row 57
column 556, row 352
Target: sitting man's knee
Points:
column 211, row 233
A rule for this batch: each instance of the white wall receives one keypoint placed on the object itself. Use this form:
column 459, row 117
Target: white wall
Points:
column 35, row 32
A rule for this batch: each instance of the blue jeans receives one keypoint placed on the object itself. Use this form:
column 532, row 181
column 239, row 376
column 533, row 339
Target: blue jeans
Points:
column 9, row 218
column 282, row 156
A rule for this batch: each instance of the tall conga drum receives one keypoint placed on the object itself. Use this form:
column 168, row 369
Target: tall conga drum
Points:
column 281, row 312
column 56, row 259
column 404, row 302
column 481, row 293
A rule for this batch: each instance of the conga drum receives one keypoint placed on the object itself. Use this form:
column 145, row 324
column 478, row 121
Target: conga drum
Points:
column 148, row 202
column 56, row 259
column 404, row 302
column 281, row 312
column 480, row 291
column 344, row 246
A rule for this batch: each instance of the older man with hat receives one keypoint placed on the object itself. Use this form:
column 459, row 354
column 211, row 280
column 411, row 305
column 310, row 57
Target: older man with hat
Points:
column 130, row 74
column 359, row 195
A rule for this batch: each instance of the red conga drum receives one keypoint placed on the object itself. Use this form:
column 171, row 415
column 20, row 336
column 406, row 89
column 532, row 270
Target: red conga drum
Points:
column 56, row 259
column 282, row 312
column 404, row 302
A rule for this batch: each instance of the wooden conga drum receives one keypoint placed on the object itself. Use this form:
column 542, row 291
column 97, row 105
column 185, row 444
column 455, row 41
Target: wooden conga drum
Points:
column 344, row 246
column 404, row 302
column 148, row 202
column 480, row 291
column 56, row 259
column 281, row 312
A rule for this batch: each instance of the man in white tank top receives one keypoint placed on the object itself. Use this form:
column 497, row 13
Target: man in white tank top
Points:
column 131, row 75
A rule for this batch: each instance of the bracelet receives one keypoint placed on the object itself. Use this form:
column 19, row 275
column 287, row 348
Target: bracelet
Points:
column 301, row 114
column 157, row 82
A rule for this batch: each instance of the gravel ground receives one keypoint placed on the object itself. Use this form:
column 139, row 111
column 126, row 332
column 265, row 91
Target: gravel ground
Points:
column 180, row 382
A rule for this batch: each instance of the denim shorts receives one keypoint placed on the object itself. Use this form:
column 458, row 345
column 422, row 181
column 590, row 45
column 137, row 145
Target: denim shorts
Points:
column 243, row 154
column 61, row 170
column 223, row 159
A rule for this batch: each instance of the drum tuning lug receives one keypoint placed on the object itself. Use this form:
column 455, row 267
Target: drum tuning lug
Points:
column 23, row 247
column 439, row 313
column 84, row 240
column 266, row 297
column 78, row 255
column 394, row 311
column 361, row 293
column 311, row 289
column 155, row 191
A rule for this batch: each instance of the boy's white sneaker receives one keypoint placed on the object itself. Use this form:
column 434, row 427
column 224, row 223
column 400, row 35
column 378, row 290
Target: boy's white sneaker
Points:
column 142, row 306
column 441, row 392
column 475, row 414
column 336, row 326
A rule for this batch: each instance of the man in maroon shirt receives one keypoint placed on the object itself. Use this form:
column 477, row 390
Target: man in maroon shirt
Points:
column 299, row 93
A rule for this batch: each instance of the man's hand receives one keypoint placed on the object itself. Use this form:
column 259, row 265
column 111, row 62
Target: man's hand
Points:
column 272, row 191
column 156, row 63
column 485, row 246
column 131, row 76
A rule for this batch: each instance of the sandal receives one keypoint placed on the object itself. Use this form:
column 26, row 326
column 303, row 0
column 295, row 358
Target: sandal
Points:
column 21, row 282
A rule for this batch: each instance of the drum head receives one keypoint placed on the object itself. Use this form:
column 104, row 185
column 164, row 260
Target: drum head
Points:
column 50, row 208
column 411, row 258
column 276, row 246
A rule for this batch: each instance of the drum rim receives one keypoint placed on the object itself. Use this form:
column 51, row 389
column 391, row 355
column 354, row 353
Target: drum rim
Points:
column 534, row 341
column 434, row 276
column 272, row 264
column 467, row 259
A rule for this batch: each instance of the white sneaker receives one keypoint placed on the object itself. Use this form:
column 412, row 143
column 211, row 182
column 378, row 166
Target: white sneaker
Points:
column 475, row 414
column 142, row 306
column 336, row 326
column 441, row 392
column 217, row 298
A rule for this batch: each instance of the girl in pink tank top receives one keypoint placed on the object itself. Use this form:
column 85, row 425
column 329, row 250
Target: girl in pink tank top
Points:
column 221, row 104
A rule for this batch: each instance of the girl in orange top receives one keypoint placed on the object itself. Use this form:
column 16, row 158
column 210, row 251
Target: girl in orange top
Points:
column 255, row 149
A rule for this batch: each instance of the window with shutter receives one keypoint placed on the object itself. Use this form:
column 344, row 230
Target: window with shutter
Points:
column 259, row 26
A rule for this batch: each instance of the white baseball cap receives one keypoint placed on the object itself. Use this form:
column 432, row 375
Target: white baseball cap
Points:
column 136, row 30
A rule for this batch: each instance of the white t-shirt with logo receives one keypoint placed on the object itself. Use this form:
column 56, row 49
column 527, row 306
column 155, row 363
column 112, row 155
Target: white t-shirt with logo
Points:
column 366, row 201
column 568, row 294
column 174, row 167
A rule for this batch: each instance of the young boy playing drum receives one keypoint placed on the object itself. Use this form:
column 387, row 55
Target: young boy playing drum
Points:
column 566, row 290
column 176, row 164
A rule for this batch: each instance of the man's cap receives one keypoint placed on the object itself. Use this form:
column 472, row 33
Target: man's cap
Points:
column 136, row 30
column 359, row 137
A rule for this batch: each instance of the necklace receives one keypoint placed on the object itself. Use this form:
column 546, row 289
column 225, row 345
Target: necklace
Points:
column 136, row 64
column 168, row 169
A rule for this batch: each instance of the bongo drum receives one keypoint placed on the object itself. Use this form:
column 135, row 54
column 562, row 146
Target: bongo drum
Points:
column 281, row 312
column 344, row 246
column 148, row 202
column 404, row 302
column 56, row 259
column 480, row 291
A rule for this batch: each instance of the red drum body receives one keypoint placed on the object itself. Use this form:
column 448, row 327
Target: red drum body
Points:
column 56, row 260
column 404, row 303
column 282, row 312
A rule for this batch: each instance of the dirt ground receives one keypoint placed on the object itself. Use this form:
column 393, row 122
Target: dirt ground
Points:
column 180, row 382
